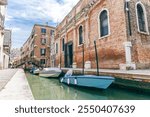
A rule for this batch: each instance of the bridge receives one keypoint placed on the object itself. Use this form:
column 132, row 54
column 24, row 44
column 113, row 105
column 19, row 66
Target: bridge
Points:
column 27, row 62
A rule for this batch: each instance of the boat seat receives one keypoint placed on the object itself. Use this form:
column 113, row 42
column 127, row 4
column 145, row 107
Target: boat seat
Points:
column 69, row 73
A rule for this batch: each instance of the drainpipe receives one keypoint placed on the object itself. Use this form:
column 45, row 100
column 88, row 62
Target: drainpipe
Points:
column 60, row 59
column 127, row 9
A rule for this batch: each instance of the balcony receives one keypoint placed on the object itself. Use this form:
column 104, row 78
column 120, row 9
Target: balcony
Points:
column 3, row 2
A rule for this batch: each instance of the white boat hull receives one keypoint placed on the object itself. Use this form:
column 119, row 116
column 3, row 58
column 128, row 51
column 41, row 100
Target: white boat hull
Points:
column 36, row 72
column 50, row 73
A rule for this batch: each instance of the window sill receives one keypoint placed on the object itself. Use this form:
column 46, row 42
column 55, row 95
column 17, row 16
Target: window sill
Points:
column 43, row 33
column 81, row 45
column 104, row 36
column 145, row 33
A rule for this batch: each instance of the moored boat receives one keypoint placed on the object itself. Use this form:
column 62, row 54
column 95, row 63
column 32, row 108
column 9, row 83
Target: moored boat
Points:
column 50, row 72
column 102, row 82
column 36, row 71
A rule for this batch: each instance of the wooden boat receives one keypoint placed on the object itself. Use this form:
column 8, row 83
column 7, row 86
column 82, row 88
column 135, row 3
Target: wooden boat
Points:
column 102, row 82
column 50, row 72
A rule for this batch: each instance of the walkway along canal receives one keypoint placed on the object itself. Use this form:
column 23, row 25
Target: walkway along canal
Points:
column 52, row 89
column 14, row 85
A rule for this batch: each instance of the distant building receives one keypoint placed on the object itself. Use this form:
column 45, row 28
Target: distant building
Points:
column 3, row 4
column 15, row 56
column 14, row 53
column 38, row 45
column 7, row 41
column 6, row 48
column 121, row 29
column 52, row 49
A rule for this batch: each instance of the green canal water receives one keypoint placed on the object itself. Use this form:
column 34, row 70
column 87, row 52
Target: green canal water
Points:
column 52, row 89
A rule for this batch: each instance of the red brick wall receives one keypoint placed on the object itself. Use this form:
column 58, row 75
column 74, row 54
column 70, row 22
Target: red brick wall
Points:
column 111, row 50
column 140, row 42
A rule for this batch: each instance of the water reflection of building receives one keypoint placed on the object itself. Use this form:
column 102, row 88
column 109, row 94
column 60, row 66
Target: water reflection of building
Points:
column 120, row 28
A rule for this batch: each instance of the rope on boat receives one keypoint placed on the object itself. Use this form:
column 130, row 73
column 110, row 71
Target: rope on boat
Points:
column 75, row 81
column 61, row 80
column 68, row 81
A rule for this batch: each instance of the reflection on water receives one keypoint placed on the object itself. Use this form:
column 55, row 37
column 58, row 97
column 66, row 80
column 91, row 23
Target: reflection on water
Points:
column 52, row 89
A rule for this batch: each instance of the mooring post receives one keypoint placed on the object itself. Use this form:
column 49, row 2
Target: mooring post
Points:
column 96, row 55
column 83, row 59
column 60, row 60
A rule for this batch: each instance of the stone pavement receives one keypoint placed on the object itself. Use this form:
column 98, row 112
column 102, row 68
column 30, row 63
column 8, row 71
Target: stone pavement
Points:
column 5, row 76
column 17, row 87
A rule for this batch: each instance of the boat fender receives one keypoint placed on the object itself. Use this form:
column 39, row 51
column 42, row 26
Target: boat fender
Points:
column 75, row 81
column 61, row 80
column 68, row 81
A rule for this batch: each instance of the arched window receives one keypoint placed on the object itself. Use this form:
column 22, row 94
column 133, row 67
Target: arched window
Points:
column 141, row 18
column 80, row 35
column 104, row 23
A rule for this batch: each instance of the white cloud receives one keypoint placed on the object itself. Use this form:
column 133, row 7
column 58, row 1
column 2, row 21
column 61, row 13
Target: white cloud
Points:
column 8, row 17
column 22, row 14
column 58, row 11
column 42, row 9
column 16, row 29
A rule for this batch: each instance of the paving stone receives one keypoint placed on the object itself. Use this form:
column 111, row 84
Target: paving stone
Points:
column 17, row 88
column 5, row 76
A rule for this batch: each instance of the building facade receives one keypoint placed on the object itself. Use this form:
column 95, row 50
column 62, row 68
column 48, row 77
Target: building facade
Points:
column 3, row 4
column 119, row 27
column 6, row 48
column 37, row 47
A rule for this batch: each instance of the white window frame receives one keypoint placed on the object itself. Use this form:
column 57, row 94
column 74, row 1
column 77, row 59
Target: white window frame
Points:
column 99, row 30
column 56, row 48
column 145, row 18
column 82, row 35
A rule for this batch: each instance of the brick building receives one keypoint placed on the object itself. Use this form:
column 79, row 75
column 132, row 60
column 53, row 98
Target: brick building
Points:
column 37, row 47
column 119, row 27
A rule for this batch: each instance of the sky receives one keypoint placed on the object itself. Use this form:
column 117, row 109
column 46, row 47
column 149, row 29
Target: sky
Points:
column 21, row 15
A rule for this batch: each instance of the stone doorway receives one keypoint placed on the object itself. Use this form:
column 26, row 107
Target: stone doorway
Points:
column 68, row 55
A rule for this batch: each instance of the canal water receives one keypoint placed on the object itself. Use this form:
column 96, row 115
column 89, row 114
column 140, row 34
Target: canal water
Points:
column 52, row 89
